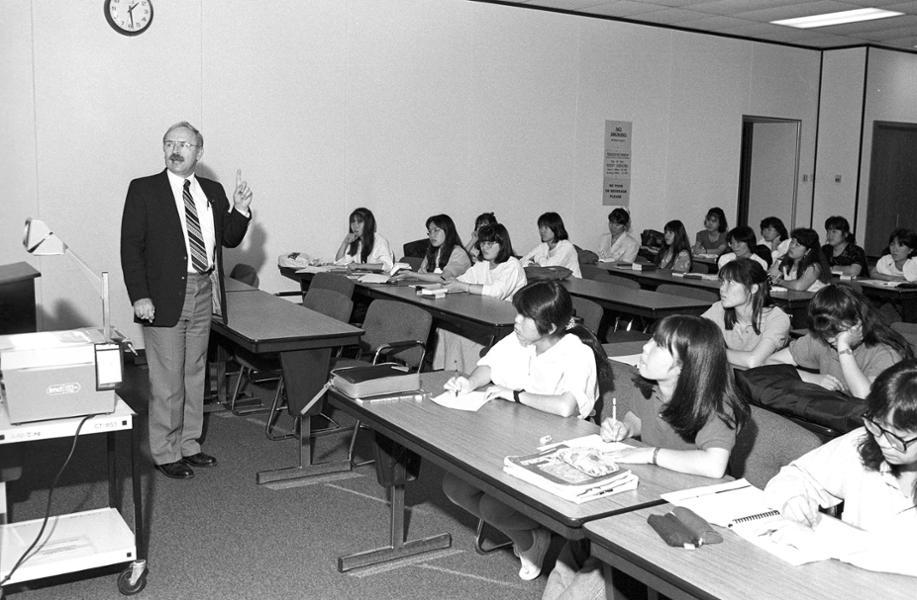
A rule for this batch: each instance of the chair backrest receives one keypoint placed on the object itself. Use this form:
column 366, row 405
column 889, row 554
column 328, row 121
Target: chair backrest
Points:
column 329, row 302
column 590, row 312
column 909, row 331
column 690, row 292
column 767, row 442
column 416, row 248
column 389, row 321
column 245, row 273
column 615, row 279
column 333, row 281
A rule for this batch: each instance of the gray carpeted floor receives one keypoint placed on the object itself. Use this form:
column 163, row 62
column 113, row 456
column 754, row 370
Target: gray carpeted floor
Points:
column 220, row 535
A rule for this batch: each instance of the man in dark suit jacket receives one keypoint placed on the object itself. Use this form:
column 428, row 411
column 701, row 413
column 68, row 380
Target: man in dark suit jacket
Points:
column 172, row 233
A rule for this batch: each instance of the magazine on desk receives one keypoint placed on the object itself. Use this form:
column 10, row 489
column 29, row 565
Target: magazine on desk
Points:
column 743, row 508
column 574, row 470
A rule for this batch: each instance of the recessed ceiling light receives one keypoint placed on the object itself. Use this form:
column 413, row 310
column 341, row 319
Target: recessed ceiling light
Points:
column 838, row 18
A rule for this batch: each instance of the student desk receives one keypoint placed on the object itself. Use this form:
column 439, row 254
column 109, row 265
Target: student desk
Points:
column 905, row 300
column 482, row 319
column 641, row 303
column 265, row 324
column 793, row 302
column 733, row 569
column 472, row 446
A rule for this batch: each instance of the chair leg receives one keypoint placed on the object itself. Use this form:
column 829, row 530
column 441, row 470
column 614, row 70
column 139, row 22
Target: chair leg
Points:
column 479, row 538
column 274, row 415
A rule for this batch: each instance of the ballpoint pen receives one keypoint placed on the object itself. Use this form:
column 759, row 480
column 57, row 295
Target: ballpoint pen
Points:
column 614, row 408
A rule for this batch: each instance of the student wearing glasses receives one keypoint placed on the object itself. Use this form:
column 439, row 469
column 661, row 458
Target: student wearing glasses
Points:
column 872, row 470
column 445, row 258
column 499, row 275
column 848, row 343
column 483, row 219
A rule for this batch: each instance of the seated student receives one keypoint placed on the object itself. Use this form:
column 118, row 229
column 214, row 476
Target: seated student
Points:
column 549, row 364
column 775, row 236
column 619, row 244
column 499, row 275
column 743, row 244
column 362, row 244
column 804, row 267
column 752, row 328
column 471, row 247
column 675, row 253
column 872, row 470
column 843, row 255
column 900, row 264
column 712, row 238
column 555, row 249
column 684, row 408
column 445, row 258
column 848, row 343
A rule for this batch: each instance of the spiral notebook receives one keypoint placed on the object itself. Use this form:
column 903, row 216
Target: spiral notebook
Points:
column 743, row 508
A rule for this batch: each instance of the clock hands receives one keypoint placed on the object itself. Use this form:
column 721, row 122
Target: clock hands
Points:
column 130, row 12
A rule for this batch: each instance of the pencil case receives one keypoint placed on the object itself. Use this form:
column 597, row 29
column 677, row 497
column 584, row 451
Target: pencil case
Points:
column 672, row 531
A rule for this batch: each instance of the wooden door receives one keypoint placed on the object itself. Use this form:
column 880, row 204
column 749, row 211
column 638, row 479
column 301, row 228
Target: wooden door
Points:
column 892, row 200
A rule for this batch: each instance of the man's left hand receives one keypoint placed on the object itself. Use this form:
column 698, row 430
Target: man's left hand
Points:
column 242, row 197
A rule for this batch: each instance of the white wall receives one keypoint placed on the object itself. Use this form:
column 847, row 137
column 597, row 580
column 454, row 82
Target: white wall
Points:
column 839, row 136
column 409, row 107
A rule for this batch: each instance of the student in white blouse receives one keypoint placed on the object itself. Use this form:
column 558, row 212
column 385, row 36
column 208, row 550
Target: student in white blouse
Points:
column 555, row 248
column 742, row 243
column 619, row 244
column 900, row 264
column 872, row 470
column 362, row 244
column 499, row 275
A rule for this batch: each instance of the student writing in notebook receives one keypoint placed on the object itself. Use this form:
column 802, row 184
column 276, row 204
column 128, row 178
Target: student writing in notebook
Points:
column 549, row 364
column 684, row 407
column 872, row 470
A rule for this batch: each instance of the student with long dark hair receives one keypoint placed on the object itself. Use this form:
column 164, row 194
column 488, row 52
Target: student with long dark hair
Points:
column 848, row 343
column 872, row 470
column 498, row 275
column 804, row 267
column 752, row 328
column 549, row 364
column 712, row 238
column 362, row 244
column 618, row 244
column 900, row 264
column 675, row 253
column 775, row 237
column 683, row 407
column 445, row 257
column 555, row 248
column 841, row 251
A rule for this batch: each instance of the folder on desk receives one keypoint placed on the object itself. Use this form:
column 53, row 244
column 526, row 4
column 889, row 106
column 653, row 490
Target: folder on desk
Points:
column 364, row 382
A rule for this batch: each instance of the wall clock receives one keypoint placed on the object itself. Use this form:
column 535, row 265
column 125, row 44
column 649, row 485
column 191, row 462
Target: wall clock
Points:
column 129, row 17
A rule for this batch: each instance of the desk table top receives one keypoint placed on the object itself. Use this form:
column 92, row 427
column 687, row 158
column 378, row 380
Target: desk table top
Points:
column 262, row 322
column 472, row 445
column 732, row 569
column 640, row 302
column 482, row 309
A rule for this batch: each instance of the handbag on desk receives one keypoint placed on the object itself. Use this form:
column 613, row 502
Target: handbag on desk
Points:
column 533, row 272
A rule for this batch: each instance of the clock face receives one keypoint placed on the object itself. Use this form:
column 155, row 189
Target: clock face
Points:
column 129, row 17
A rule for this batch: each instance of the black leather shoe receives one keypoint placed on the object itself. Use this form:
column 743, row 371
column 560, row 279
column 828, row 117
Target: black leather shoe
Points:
column 200, row 460
column 176, row 470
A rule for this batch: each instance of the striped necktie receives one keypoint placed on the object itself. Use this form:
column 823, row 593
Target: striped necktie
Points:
column 195, row 237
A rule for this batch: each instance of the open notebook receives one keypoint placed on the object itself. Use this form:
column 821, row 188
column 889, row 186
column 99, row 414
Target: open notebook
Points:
column 743, row 508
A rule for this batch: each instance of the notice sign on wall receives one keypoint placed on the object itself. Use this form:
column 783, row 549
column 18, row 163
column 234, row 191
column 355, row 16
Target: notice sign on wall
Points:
column 616, row 188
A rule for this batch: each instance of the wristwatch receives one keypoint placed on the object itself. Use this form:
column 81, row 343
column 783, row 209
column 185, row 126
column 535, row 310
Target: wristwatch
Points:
column 845, row 351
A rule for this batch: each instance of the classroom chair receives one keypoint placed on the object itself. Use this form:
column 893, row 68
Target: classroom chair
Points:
column 331, row 304
column 768, row 442
column 245, row 273
column 332, row 281
column 590, row 312
column 688, row 291
column 909, row 331
column 414, row 261
column 393, row 331
column 618, row 280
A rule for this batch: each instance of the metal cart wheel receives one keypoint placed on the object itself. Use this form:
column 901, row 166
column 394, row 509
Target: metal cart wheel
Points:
column 132, row 580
